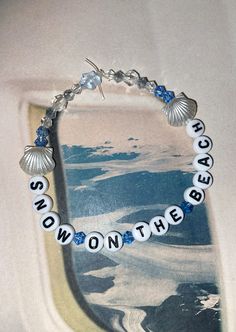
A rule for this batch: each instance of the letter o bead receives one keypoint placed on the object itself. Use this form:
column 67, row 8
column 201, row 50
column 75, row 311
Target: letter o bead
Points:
column 194, row 195
column 94, row 242
column 50, row 221
column 195, row 128
column 42, row 203
column 113, row 241
column 38, row 185
column 174, row 215
column 64, row 234
column 158, row 225
column 141, row 231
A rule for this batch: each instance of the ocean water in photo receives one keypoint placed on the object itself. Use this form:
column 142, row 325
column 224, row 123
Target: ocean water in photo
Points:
column 166, row 284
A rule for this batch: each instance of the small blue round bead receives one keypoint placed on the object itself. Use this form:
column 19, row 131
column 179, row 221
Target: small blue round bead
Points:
column 186, row 207
column 159, row 91
column 128, row 237
column 168, row 96
column 41, row 141
column 79, row 238
column 42, row 131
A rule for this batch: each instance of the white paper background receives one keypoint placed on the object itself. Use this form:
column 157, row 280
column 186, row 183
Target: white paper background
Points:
column 187, row 45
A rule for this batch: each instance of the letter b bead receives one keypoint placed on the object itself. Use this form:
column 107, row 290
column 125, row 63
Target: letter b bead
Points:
column 194, row 195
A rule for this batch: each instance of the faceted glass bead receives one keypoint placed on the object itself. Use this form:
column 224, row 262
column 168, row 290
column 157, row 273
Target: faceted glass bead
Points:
column 41, row 141
column 159, row 91
column 151, row 86
column 168, row 96
column 186, row 207
column 141, row 83
column 76, row 88
column 128, row 237
column 79, row 238
column 51, row 113
column 131, row 77
column 42, row 131
column 119, row 76
column 59, row 103
column 69, row 95
column 46, row 122
column 90, row 80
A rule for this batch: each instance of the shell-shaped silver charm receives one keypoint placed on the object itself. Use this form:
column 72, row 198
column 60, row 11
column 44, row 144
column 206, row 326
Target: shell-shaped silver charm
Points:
column 180, row 110
column 37, row 160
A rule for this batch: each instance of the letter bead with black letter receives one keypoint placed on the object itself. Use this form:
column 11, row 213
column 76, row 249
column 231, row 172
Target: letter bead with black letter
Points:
column 64, row 234
column 113, row 241
column 194, row 195
column 50, row 221
column 141, row 231
column 174, row 215
column 195, row 128
column 94, row 242
column 158, row 225
column 42, row 203
column 38, row 185
column 202, row 179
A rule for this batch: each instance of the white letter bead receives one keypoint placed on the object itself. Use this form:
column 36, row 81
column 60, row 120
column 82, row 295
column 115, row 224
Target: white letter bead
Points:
column 50, row 221
column 141, row 231
column 203, row 162
column 64, row 234
column 93, row 242
column 202, row 144
column 42, row 203
column 174, row 215
column 194, row 195
column 158, row 225
column 195, row 128
column 113, row 241
column 38, row 185
column 202, row 179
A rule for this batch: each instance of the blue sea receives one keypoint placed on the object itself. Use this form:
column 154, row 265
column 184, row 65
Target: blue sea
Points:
column 167, row 284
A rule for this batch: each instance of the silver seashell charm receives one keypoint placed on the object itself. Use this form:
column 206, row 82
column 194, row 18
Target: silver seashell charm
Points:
column 37, row 160
column 180, row 110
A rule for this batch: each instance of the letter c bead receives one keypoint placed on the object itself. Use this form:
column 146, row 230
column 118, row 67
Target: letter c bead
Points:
column 93, row 242
column 141, row 231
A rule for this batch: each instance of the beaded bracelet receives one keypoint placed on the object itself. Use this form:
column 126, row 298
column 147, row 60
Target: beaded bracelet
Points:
column 38, row 161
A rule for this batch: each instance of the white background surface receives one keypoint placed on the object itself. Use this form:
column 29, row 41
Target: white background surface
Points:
column 189, row 46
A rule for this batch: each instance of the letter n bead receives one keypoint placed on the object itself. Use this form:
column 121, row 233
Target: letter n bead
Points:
column 113, row 241
column 42, row 203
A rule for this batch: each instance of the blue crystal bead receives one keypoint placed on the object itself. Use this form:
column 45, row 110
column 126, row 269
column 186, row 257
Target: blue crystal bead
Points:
column 128, row 237
column 42, row 131
column 168, row 96
column 90, row 80
column 41, row 141
column 159, row 91
column 186, row 207
column 79, row 238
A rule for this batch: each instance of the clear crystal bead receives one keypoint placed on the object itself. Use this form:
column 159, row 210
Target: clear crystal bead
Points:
column 69, row 95
column 119, row 76
column 77, row 88
column 51, row 113
column 90, row 80
column 150, row 86
column 46, row 122
column 59, row 103
column 141, row 83
column 131, row 77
